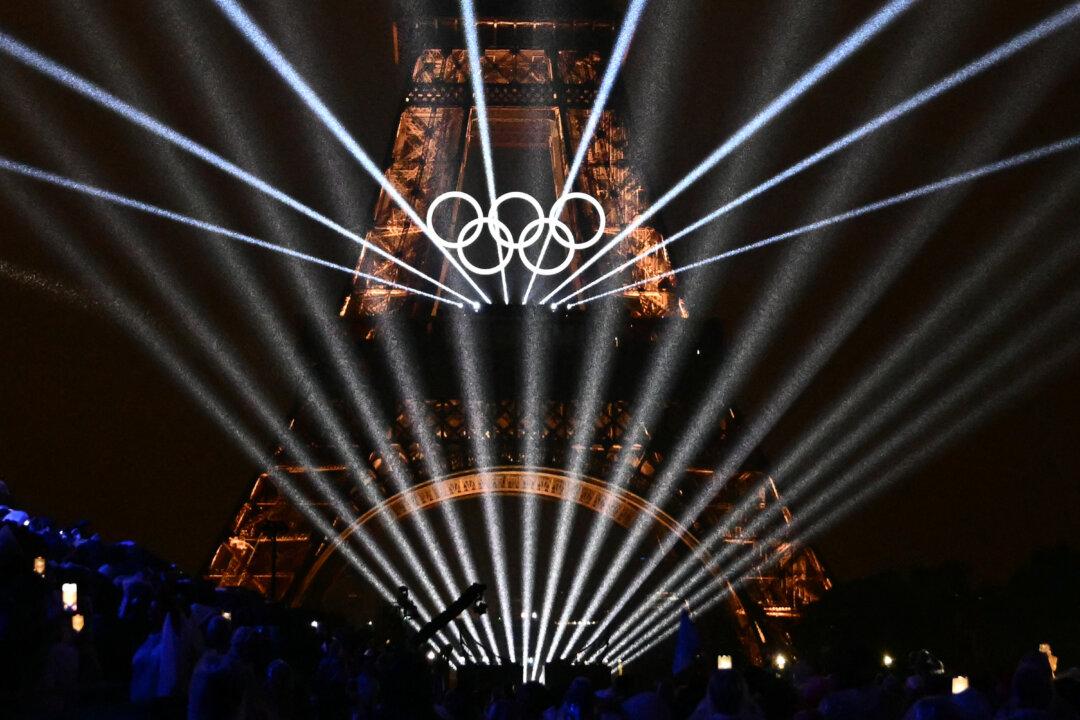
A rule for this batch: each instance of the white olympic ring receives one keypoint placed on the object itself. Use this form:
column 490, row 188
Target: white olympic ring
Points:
column 546, row 227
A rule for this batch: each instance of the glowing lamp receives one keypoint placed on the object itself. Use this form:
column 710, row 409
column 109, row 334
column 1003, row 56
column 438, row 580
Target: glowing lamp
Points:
column 430, row 654
column 780, row 661
column 226, row 615
column 887, row 660
column 39, row 565
column 78, row 622
column 723, row 662
column 959, row 684
column 69, row 594
column 315, row 624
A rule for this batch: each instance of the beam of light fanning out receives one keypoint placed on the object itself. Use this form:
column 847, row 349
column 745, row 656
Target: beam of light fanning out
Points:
column 999, row 54
column 923, row 332
column 663, row 367
column 468, row 358
column 865, row 32
column 618, row 55
column 1006, row 164
column 17, row 51
column 399, row 351
column 99, row 193
column 986, row 325
column 277, row 61
column 175, row 299
column 943, row 308
column 588, row 403
column 162, row 350
column 984, row 404
column 476, row 77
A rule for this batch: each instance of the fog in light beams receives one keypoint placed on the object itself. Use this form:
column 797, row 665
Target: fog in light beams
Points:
column 863, row 34
column 976, row 67
column 234, row 301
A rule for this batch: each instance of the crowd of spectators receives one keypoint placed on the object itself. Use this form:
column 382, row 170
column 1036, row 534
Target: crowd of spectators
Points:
column 139, row 639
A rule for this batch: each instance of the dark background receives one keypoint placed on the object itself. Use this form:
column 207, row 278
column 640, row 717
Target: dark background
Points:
column 91, row 426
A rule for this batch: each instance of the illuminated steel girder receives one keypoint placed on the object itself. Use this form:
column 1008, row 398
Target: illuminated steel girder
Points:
column 539, row 93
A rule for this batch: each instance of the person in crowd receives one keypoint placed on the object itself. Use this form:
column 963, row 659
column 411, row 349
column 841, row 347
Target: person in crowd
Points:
column 646, row 706
column 217, row 683
column 55, row 693
column 1032, row 696
column 854, row 694
column 154, row 643
column 727, row 698
column 281, row 691
column 577, row 703
column 530, row 701
column 1067, row 687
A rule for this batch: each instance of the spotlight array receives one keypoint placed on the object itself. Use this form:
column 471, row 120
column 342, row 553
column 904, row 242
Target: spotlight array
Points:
column 101, row 194
column 692, row 584
column 980, row 329
column 174, row 298
column 661, row 488
column 474, row 398
column 894, row 466
column 162, row 350
column 663, row 368
column 878, row 22
column 16, row 50
column 1001, row 53
column 589, row 395
column 409, row 385
column 1070, row 143
column 277, row 61
column 833, row 333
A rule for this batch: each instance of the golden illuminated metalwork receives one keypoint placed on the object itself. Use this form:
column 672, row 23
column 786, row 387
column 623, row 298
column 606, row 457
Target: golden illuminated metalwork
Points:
column 538, row 94
column 540, row 79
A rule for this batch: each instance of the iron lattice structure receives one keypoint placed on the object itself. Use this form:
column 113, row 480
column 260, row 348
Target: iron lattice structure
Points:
column 540, row 79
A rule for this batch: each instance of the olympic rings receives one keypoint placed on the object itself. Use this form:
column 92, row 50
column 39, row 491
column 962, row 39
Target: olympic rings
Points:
column 545, row 227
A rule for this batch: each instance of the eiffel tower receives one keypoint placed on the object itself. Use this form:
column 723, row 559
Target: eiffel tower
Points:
column 540, row 81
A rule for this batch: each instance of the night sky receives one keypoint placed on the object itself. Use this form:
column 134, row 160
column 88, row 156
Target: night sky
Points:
column 92, row 426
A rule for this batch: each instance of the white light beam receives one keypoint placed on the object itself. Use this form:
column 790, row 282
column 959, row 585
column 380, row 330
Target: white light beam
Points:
column 259, row 40
column 923, row 331
column 162, row 350
column 995, row 56
column 985, row 325
column 17, row 51
column 1006, row 164
column 474, row 399
column 618, row 55
column 892, row 471
column 101, row 194
column 588, row 404
column 476, row 77
column 865, row 32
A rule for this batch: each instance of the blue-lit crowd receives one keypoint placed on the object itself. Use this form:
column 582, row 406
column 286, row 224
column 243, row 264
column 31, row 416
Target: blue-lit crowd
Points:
column 92, row 629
